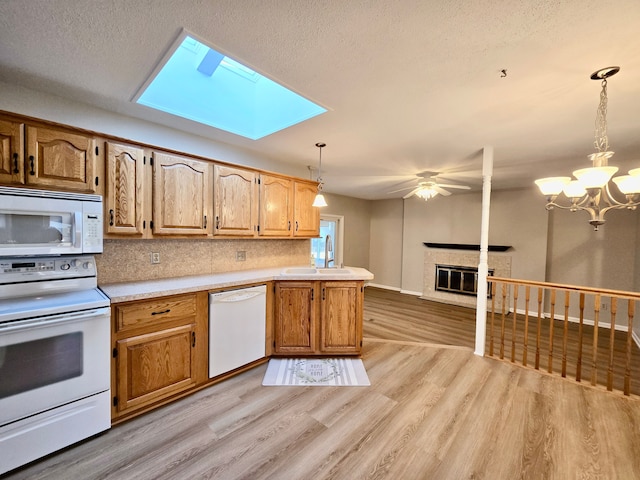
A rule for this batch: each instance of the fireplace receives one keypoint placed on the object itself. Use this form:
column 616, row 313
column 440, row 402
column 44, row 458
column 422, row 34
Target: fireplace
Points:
column 458, row 279
column 465, row 264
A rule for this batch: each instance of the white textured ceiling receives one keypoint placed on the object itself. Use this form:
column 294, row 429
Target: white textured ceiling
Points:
column 411, row 86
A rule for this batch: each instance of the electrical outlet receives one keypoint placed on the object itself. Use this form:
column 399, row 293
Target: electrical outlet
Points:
column 155, row 257
column 241, row 256
column 604, row 306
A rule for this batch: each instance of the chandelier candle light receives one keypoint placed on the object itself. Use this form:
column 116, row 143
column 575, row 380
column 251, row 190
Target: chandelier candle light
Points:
column 590, row 192
column 319, row 201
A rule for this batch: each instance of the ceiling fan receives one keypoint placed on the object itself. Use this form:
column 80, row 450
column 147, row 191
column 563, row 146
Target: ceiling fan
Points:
column 430, row 187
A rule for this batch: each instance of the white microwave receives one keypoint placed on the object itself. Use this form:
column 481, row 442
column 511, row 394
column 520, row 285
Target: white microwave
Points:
column 39, row 222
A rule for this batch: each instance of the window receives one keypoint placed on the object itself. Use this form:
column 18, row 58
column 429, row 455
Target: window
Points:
column 201, row 84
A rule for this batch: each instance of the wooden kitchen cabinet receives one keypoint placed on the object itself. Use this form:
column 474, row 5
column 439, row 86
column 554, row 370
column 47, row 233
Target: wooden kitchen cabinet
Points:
column 125, row 194
column 341, row 317
column 159, row 351
column 47, row 157
column 306, row 216
column 235, row 201
column 181, row 195
column 60, row 159
column 276, row 206
column 295, row 318
column 318, row 318
column 11, row 152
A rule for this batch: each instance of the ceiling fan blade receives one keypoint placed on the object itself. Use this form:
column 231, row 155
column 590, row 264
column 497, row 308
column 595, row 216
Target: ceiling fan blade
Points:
column 411, row 193
column 401, row 190
column 462, row 187
column 441, row 191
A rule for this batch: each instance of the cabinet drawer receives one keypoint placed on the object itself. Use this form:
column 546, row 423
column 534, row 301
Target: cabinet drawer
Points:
column 160, row 310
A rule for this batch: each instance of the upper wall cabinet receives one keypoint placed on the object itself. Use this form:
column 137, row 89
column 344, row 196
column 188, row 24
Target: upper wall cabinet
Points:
column 276, row 206
column 306, row 216
column 234, row 204
column 48, row 158
column 181, row 195
column 125, row 196
column 60, row 159
column 11, row 152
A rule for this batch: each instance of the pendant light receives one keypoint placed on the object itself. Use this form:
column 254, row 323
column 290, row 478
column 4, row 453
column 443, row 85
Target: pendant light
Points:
column 319, row 201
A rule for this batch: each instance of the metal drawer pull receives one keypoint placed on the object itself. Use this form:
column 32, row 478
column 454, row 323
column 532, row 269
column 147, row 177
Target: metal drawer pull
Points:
column 160, row 313
column 31, row 160
column 15, row 163
column 111, row 217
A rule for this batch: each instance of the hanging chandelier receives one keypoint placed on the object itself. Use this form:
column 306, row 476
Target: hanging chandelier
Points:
column 591, row 192
column 319, row 201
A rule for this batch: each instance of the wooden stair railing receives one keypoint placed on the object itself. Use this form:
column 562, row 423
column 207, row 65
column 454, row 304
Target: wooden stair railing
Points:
column 618, row 361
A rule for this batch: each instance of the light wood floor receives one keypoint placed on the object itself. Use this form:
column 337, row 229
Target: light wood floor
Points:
column 432, row 412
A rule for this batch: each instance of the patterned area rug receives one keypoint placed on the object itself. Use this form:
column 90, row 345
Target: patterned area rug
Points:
column 335, row 372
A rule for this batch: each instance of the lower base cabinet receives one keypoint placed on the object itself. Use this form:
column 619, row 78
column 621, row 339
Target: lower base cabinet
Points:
column 318, row 318
column 160, row 349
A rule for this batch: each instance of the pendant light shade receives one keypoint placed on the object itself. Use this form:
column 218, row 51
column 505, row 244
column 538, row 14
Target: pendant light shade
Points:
column 319, row 201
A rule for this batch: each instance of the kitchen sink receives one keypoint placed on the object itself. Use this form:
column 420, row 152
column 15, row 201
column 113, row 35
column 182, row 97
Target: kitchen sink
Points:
column 300, row 271
column 316, row 271
column 334, row 271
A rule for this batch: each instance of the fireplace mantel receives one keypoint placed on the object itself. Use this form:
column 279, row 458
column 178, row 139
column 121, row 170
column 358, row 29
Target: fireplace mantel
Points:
column 467, row 246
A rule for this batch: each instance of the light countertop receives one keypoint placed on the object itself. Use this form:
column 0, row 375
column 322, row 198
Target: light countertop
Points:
column 129, row 291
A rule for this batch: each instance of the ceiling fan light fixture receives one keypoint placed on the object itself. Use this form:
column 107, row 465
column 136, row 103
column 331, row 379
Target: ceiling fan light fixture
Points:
column 591, row 192
column 426, row 193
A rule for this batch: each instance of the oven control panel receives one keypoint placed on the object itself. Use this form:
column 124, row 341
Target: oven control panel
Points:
column 25, row 269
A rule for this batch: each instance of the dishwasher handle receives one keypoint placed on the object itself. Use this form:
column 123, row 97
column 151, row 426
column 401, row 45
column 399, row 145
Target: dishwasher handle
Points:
column 234, row 297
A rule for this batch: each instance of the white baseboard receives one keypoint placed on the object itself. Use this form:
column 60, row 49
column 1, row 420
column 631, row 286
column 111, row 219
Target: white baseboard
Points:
column 586, row 321
column 410, row 292
column 386, row 287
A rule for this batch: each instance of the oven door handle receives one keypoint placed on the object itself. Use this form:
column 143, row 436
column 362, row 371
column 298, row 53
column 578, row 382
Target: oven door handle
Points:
column 54, row 320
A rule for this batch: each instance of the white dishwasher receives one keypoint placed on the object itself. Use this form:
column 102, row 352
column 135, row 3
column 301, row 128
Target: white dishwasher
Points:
column 237, row 328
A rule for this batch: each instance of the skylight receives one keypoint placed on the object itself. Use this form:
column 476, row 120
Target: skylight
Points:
column 198, row 83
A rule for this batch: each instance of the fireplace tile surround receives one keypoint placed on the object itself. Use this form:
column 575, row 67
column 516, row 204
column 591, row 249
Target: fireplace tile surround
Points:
column 499, row 263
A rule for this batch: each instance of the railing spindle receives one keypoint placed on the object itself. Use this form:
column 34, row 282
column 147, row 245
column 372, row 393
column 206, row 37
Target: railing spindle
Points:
column 493, row 311
column 551, row 321
column 596, row 321
column 580, row 325
column 538, row 334
column 631, row 310
column 614, row 310
column 525, row 344
column 565, row 333
column 504, row 306
column 513, row 323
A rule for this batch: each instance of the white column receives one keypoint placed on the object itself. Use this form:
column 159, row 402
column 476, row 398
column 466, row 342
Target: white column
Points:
column 483, row 266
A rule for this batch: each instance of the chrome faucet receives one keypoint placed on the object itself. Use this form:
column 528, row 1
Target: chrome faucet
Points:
column 328, row 248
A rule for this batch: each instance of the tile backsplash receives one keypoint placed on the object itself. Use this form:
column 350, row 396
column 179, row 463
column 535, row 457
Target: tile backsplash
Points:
column 130, row 260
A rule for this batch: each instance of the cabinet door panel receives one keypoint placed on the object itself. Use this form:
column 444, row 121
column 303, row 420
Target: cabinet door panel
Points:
column 341, row 317
column 276, row 202
column 124, row 199
column 307, row 217
column 181, row 195
column 11, row 152
column 295, row 318
column 234, row 201
column 60, row 159
column 154, row 366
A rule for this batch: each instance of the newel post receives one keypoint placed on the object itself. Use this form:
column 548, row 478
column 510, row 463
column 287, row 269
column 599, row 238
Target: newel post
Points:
column 483, row 266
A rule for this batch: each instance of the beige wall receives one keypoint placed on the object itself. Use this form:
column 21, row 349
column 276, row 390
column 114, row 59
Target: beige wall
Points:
column 357, row 219
column 385, row 252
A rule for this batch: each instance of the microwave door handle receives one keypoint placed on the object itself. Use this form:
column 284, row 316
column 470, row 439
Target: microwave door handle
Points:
column 76, row 230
